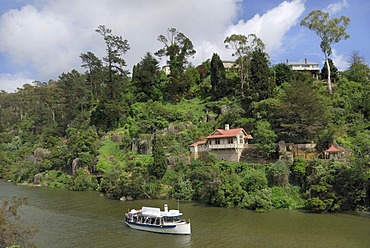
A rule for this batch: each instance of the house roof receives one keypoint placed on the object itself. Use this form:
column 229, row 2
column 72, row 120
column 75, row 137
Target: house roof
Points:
column 201, row 142
column 221, row 133
column 302, row 63
column 333, row 149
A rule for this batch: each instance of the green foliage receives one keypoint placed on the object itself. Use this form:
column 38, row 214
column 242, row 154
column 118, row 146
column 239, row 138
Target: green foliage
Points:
column 282, row 73
column 261, row 86
column 243, row 47
column 55, row 179
column 323, row 188
column 23, row 171
column 146, row 81
column 333, row 71
column 228, row 193
column 109, row 155
column 350, row 103
column 288, row 198
column 358, row 72
column 177, row 47
column 181, row 188
column 111, row 183
column 80, row 140
column 298, row 172
column 264, row 138
column 259, row 201
column 264, row 110
column 279, row 174
column 75, row 94
column 159, row 166
column 83, row 181
column 218, row 78
column 150, row 116
column 116, row 46
column 108, row 114
column 253, row 180
column 94, row 75
column 300, row 113
column 361, row 144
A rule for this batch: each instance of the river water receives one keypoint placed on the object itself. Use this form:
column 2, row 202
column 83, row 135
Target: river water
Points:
column 86, row 219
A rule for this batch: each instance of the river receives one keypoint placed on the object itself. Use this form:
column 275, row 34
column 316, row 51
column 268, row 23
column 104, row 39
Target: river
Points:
column 86, row 219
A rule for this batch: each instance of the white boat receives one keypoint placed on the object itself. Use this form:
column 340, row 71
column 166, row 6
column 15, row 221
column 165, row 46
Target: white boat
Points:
column 154, row 220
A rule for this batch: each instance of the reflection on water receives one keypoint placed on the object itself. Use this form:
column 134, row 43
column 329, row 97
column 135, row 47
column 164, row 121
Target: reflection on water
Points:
column 85, row 219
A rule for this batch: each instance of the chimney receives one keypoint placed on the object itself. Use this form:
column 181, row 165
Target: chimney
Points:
column 305, row 60
column 227, row 127
column 287, row 61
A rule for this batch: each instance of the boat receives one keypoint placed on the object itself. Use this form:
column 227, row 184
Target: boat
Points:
column 154, row 220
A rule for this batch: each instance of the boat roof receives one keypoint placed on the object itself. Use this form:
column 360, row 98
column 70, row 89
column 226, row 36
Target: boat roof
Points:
column 156, row 212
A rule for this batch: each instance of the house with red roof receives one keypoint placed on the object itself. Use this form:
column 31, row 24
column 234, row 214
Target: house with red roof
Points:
column 227, row 144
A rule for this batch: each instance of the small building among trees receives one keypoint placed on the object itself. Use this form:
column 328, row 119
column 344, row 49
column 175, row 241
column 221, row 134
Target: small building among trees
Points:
column 305, row 66
column 333, row 153
column 227, row 144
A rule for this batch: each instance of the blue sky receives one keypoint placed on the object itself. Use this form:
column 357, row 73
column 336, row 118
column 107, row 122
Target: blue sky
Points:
column 41, row 39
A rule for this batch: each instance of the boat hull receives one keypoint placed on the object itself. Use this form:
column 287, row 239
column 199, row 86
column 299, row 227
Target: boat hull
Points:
column 182, row 228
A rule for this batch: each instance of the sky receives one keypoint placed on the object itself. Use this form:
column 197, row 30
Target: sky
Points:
column 41, row 39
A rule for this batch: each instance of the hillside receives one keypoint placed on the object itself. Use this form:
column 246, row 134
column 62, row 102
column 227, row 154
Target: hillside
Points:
column 129, row 137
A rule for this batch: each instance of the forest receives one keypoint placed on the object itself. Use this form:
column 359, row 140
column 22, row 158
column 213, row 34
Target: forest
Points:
column 127, row 135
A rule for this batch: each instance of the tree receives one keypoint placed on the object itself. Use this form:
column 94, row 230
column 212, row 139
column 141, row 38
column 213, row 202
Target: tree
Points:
column 159, row 167
column 218, row 78
column 333, row 71
column 145, row 77
column 261, row 86
column 300, row 113
column 243, row 46
column 74, row 94
column 113, row 105
column 178, row 48
column 329, row 30
column 358, row 71
column 282, row 73
column 265, row 138
column 204, row 69
column 94, row 73
column 116, row 47
column 279, row 174
column 356, row 58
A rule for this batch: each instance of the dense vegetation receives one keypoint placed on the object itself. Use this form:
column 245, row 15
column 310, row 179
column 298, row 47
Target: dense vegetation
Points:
column 129, row 136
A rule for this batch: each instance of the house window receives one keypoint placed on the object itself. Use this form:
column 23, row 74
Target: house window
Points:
column 217, row 141
column 241, row 139
column 230, row 140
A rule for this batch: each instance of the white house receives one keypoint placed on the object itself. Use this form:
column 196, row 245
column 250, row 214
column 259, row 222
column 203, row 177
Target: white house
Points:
column 305, row 66
column 227, row 144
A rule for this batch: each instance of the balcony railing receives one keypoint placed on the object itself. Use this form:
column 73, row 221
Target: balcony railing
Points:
column 226, row 146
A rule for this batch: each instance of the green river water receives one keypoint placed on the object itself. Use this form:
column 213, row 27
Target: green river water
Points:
column 85, row 219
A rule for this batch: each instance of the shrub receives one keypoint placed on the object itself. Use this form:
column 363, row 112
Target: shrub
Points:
column 55, row 179
column 83, row 181
column 288, row 198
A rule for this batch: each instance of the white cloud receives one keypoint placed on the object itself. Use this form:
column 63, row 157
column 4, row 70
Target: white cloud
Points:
column 272, row 26
column 49, row 35
column 10, row 82
column 336, row 7
column 340, row 61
